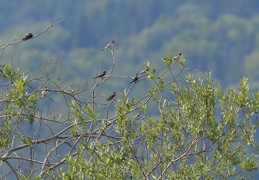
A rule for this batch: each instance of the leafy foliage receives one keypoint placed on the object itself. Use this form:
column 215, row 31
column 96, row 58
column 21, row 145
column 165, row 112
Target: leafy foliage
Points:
column 180, row 126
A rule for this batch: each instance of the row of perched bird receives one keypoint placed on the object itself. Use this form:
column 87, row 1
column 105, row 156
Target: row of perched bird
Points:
column 45, row 91
column 135, row 78
column 110, row 45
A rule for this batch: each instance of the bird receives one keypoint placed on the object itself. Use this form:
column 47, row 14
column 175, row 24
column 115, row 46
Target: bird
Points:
column 110, row 45
column 100, row 75
column 137, row 116
column 134, row 79
column 142, row 72
column 178, row 57
column 111, row 96
column 44, row 92
column 27, row 36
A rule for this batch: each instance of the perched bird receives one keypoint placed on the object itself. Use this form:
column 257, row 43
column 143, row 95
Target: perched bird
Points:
column 142, row 72
column 44, row 92
column 28, row 36
column 134, row 79
column 100, row 75
column 137, row 116
column 110, row 45
column 178, row 57
column 111, row 96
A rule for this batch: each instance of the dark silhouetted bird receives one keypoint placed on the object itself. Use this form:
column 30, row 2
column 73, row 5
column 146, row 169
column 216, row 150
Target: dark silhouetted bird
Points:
column 44, row 92
column 111, row 96
column 110, row 45
column 134, row 79
column 178, row 57
column 100, row 75
column 28, row 36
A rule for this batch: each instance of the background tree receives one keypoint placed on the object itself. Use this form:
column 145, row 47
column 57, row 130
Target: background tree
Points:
column 221, row 40
column 183, row 127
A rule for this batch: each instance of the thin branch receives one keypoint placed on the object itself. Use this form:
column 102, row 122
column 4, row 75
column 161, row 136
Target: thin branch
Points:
column 14, row 41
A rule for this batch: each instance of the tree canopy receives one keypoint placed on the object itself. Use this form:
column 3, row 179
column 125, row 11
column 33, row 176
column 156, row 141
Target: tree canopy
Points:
column 184, row 127
column 151, row 112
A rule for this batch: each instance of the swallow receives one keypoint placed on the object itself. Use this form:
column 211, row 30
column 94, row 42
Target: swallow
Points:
column 111, row 96
column 134, row 79
column 137, row 116
column 110, row 45
column 44, row 92
column 27, row 36
column 178, row 57
column 100, row 75
column 142, row 72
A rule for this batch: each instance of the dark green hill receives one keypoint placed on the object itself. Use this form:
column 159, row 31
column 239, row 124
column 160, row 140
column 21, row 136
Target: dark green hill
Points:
column 214, row 36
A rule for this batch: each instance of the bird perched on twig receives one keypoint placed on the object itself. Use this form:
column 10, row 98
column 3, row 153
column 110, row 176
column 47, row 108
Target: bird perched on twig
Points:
column 110, row 45
column 111, row 96
column 134, row 79
column 27, row 36
column 178, row 56
column 142, row 72
column 100, row 75
column 137, row 116
column 44, row 92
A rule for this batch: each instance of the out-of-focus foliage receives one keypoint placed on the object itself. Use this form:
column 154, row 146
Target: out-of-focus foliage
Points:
column 214, row 36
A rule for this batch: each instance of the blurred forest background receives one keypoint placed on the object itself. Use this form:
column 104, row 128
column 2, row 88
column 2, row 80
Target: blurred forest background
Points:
column 217, row 35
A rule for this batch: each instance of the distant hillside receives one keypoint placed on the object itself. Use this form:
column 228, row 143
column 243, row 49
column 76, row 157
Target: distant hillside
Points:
column 218, row 36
